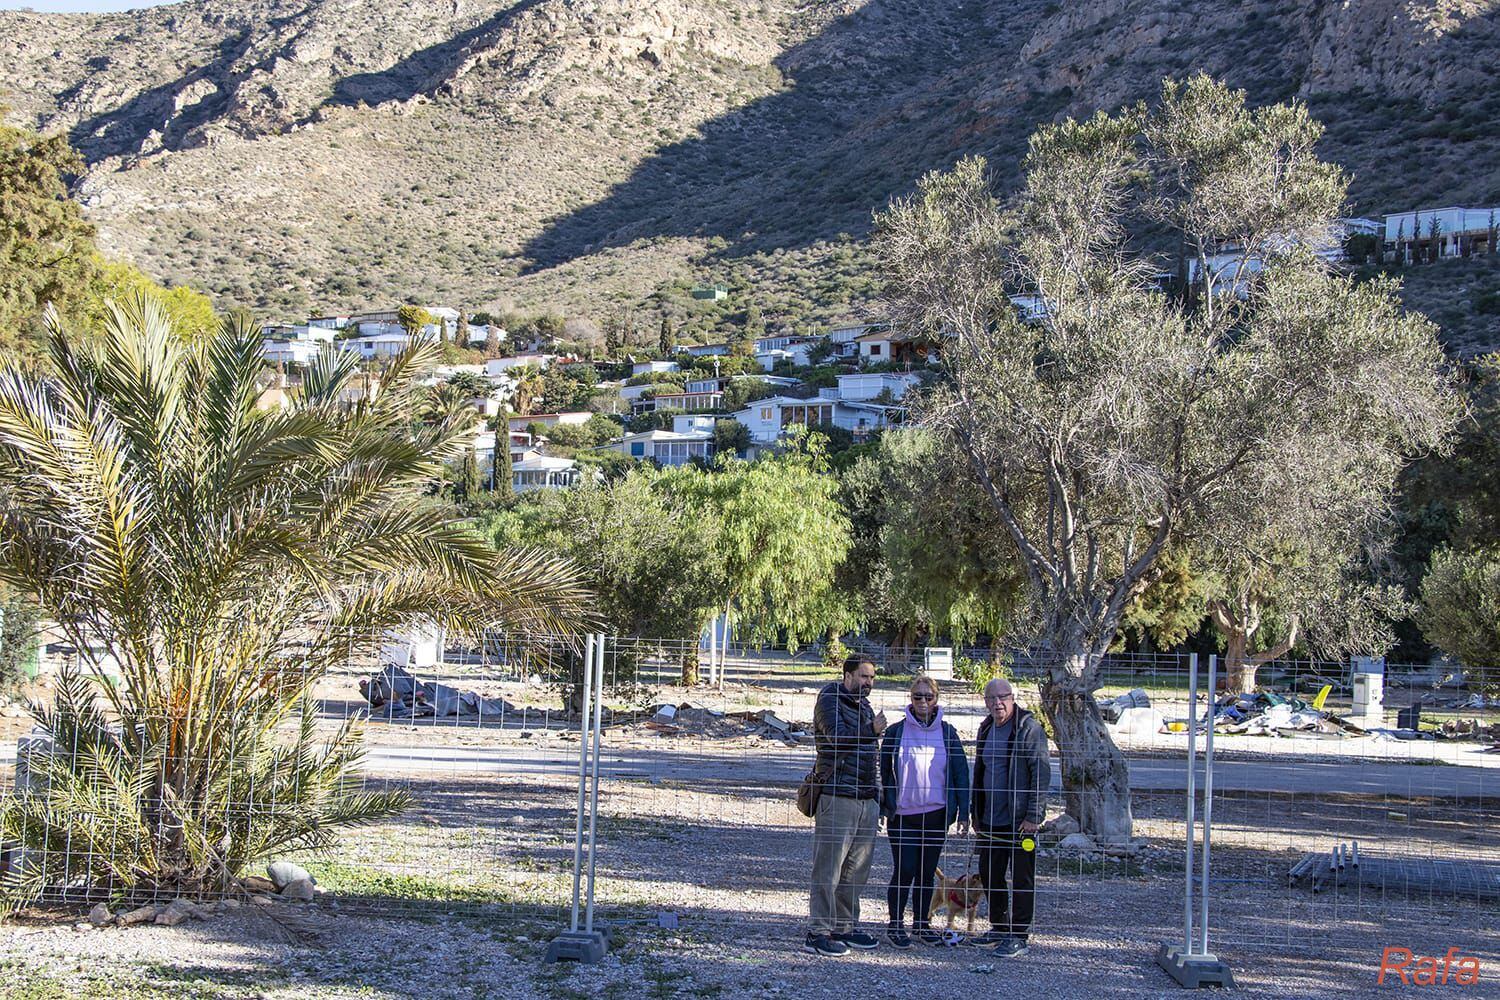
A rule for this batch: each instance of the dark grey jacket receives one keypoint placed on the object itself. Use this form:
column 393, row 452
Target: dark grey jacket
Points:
column 1030, row 770
column 848, row 750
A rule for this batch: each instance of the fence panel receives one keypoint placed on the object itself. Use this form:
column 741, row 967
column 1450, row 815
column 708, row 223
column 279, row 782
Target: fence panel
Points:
column 477, row 734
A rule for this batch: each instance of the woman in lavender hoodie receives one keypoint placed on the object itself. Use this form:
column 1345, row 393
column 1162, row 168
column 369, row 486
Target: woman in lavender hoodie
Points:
column 924, row 778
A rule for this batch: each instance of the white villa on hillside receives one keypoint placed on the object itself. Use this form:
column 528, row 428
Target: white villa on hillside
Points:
column 544, row 472
column 520, row 423
column 290, row 352
column 1461, row 232
column 860, row 387
column 380, row 345
column 769, row 418
column 668, row 448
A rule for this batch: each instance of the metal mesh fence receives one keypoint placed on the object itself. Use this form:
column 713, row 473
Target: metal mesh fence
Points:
column 476, row 734
column 702, row 827
column 703, row 750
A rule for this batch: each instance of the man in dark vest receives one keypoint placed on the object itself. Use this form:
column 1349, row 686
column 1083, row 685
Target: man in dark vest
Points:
column 846, row 732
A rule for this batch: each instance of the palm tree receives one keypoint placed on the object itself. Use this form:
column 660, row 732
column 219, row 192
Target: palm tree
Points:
column 528, row 390
column 223, row 557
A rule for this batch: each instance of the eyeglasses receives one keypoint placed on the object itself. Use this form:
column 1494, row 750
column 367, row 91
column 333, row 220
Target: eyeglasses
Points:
column 924, row 697
column 991, row 698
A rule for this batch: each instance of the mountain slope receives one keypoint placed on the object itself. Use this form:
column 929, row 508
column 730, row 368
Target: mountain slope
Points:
column 601, row 155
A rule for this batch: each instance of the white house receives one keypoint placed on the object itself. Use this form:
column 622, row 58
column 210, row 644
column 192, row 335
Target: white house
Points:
column 298, row 332
column 768, row 418
column 669, row 448
column 1033, row 308
column 631, row 393
column 708, row 350
column 861, row 387
column 520, row 423
column 328, row 322
column 797, row 352
column 1461, row 232
column 543, row 472
column 290, row 352
column 690, row 402
column 844, row 338
column 479, row 334
column 719, row 384
column 380, row 345
column 650, row 367
column 688, row 423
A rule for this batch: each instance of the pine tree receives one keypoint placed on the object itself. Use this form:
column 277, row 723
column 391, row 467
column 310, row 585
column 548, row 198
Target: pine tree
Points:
column 612, row 330
column 500, row 468
column 468, row 484
column 666, row 338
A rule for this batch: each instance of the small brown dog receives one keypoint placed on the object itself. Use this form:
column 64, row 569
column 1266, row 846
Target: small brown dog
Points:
column 954, row 896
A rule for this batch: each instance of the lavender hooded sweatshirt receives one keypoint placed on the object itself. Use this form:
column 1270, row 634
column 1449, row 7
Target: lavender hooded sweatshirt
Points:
column 921, row 766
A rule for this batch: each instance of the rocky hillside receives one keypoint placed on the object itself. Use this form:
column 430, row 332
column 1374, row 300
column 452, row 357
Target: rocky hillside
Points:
column 599, row 155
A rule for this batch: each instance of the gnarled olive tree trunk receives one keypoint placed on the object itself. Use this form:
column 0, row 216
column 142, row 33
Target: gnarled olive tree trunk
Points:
column 1239, row 627
column 1095, row 776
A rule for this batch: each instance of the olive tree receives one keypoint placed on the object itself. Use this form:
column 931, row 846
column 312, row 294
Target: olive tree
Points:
column 1125, row 419
column 1461, row 609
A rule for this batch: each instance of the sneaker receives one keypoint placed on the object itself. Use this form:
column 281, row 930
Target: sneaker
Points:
column 826, row 946
column 1011, row 947
column 930, row 937
column 858, row 939
column 898, row 938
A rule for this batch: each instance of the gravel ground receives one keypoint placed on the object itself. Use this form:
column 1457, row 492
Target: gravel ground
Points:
column 458, row 897
column 244, row 955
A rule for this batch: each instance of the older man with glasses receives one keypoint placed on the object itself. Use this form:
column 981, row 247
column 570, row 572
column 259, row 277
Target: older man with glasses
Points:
column 1011, row 775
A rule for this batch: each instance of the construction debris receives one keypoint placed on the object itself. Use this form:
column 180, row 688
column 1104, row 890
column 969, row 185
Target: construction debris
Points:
column 1268, row 714
column 1113, row 709
column 400, row 695
column 1351, row 868
column 695, row 720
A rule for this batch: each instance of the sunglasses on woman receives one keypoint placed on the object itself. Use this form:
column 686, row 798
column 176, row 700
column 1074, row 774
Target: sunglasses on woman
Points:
column 924, row 697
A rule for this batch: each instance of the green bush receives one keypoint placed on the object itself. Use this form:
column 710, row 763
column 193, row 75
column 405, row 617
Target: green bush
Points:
column 976, row 673
column 18, row 642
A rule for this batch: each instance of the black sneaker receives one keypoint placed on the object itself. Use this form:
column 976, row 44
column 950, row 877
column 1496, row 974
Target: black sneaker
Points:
column 859, row 939
column 826, row 946
column 898, row 938
column 930, row 937
column 1011, row 947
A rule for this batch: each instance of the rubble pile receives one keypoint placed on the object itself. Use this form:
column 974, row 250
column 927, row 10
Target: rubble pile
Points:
column 695, row 720
column 399, row 695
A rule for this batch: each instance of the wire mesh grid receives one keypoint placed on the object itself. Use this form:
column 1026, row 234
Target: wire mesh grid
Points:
column 702, row 826
column 704, row 748
column 453, row 790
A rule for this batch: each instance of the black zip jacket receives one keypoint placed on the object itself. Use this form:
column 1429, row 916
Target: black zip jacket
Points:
column 1030, row 771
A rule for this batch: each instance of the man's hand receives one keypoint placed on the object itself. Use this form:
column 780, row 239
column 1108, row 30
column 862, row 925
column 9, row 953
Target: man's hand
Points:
column 879, row 722
column 1028, row 827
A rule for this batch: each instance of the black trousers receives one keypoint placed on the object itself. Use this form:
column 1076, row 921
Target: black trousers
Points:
column 916, row 848
column 1011, row 906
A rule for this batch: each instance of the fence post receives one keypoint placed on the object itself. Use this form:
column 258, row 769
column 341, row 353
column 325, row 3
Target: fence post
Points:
column 585, row 944
column 1191, row 964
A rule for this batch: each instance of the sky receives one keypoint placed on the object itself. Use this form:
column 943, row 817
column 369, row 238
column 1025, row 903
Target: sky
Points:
column 78, row 6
